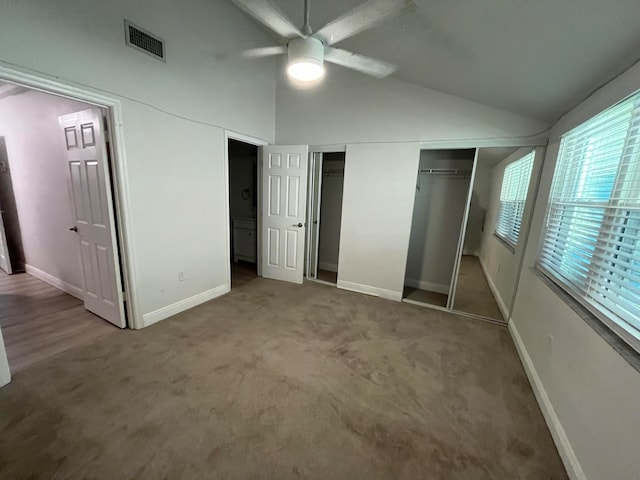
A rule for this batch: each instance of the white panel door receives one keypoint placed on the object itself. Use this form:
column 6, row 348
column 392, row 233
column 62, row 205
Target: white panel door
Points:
column 284, row 194
column 93, row 212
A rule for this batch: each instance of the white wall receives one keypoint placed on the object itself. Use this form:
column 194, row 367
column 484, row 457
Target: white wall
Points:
column 438, row 209
column 499, row 261
column 349, row 107
column 38, row 164
column 331, row 212
column 379, row 186
column 592, row 391
column 174, row 114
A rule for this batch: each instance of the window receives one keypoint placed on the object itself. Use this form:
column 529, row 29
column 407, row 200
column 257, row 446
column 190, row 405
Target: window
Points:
column 591, row 244
column 515, row 185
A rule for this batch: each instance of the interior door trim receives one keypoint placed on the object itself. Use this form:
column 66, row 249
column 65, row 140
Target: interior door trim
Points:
column 258, row 142
column 118, row 176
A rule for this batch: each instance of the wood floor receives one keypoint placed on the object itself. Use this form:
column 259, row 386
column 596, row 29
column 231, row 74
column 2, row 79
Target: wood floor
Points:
column 39, row 321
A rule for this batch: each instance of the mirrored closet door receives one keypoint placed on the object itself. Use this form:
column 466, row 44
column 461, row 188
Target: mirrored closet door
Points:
column 498, row 217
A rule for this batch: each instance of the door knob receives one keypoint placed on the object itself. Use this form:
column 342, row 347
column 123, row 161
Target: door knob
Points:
column 299, row 225
column 73, row 229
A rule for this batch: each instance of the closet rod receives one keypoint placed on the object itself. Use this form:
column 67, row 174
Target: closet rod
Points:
column 445, row 171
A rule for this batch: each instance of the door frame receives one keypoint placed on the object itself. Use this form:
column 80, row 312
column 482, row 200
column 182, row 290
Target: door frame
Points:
column 257, row 142
column 118, row 172
column 313, row 210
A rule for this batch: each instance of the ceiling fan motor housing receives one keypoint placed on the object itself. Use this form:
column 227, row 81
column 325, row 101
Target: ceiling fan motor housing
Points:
column 306, row 50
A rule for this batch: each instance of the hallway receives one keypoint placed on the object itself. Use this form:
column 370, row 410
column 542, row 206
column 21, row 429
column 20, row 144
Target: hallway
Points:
column 39, row 321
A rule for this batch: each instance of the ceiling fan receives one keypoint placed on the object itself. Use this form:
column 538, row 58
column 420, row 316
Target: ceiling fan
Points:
column 308, row 50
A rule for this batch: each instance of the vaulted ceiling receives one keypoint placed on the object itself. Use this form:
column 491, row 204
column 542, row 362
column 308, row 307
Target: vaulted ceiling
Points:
column 535, row 58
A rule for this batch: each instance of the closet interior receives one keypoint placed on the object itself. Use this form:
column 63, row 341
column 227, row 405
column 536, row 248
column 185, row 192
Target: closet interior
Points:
column 471, row 215
column 442, row 188
column 326, row 183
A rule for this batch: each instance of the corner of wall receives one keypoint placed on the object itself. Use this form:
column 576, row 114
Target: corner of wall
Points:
column 183, row 305
column 568, row 456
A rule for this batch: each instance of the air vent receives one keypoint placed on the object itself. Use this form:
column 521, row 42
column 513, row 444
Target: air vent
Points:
column 144, row 41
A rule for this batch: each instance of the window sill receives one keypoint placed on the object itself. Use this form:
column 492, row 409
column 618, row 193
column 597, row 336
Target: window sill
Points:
column 626, row 351
column 504, row 243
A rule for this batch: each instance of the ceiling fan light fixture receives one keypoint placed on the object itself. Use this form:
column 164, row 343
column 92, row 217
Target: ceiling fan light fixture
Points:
column 306, row 59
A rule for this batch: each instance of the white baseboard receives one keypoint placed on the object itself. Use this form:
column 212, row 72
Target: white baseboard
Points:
column 368, row 290
column 55, row 282
column 496, row 294
column 568, row 456
column 329, row 267
column 431, row 287
column 182, row 305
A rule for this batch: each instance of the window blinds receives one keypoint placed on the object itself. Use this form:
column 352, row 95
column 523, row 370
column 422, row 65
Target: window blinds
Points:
column 515, row 185
column 591, row 244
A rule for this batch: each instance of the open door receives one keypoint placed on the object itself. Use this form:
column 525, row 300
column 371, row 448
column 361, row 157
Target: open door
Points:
column 284, row 190
column 83, row 133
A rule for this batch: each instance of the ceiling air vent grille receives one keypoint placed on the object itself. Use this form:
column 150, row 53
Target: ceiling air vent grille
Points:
column 144, row 41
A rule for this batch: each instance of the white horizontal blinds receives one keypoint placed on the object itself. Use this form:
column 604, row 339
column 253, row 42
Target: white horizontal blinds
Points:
column 592, row 238
column 513, row 196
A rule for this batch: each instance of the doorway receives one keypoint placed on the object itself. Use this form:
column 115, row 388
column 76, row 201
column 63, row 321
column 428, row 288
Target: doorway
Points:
column 326, row 185
column 243, row 211
column 66, row 261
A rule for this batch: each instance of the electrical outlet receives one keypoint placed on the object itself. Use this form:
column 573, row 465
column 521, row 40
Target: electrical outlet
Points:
column 181, row 275
column 549, row 341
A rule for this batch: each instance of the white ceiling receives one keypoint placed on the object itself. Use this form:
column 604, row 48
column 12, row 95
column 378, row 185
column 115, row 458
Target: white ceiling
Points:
column 537, row 58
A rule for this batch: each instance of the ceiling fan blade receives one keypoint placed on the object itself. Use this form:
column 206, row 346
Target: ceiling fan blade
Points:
column 264, row 52
column 268, row 14
column 368, row 65
column 360, row 18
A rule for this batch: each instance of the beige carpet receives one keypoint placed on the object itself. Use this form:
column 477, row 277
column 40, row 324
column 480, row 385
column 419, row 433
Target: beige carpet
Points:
column 279, row 381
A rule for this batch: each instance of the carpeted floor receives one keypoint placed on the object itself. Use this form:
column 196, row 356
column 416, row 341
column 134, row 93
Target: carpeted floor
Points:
column 282, row 381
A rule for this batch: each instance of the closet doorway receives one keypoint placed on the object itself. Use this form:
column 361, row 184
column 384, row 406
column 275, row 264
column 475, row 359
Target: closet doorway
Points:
column 442, row 189
column 326, row 183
